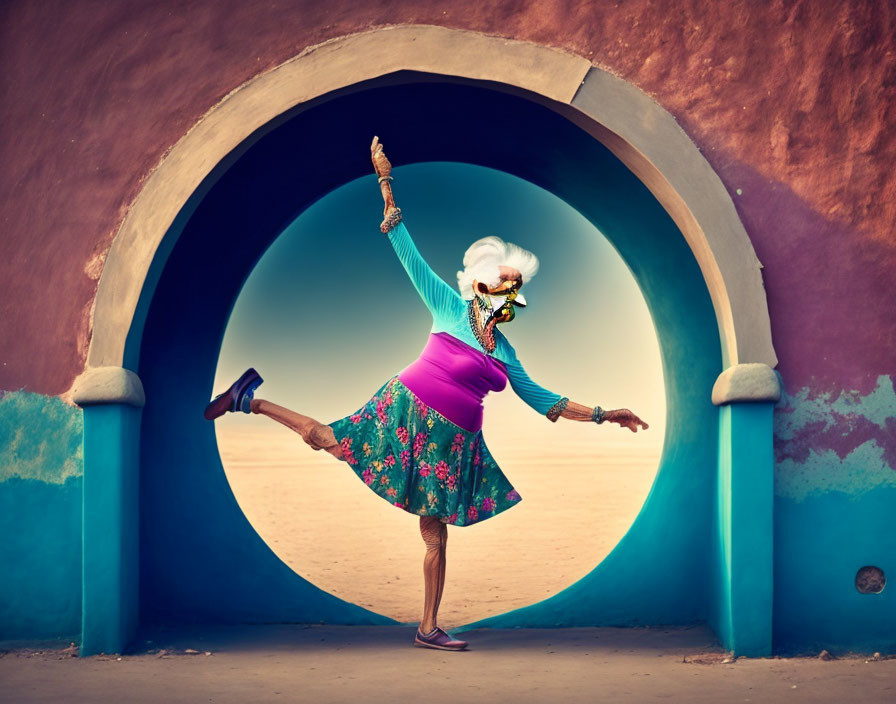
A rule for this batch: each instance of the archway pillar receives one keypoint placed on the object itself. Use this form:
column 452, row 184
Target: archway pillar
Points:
column 112, row 399
column 744, row 541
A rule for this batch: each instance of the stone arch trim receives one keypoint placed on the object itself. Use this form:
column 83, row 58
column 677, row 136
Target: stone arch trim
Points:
column 638, row 131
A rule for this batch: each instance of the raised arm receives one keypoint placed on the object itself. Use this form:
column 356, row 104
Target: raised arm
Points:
column 441, row 299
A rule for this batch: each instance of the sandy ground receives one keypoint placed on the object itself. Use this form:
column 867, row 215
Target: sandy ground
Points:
column 579, row 498
column 295, row 663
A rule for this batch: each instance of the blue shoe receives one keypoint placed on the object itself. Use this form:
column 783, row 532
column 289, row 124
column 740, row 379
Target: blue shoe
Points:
column 237, row 398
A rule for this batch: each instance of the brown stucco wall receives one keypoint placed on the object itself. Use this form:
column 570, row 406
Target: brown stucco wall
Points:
column 792, row 103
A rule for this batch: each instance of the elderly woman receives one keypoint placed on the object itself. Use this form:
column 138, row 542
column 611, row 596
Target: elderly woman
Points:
column 418, row 441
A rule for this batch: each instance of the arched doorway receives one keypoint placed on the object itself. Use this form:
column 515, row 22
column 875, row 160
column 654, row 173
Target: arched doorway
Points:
column 181, row 257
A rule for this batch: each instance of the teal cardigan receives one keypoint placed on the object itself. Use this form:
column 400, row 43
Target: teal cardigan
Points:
column 449, row 314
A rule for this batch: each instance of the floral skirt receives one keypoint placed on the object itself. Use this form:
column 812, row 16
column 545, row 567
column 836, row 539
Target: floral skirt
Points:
column 415, row 458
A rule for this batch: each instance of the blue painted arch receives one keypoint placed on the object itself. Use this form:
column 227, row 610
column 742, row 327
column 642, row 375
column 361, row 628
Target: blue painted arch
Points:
column 200, row 559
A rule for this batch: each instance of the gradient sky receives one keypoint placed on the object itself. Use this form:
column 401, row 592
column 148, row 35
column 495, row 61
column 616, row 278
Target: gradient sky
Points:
column 328, row 314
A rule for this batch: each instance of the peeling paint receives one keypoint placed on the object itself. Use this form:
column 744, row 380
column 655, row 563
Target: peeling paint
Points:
column 94, row 266
column 860, row 471
column 40, row 438
column 796, row 411
column 843, row 443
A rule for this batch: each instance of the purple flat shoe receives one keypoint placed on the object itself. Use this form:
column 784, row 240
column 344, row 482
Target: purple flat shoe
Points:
column 236, row 398
column 439, row 640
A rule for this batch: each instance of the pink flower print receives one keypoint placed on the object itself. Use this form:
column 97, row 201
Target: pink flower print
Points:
column 399, row 504
column 452, row 518
column 367, row 476
column 402, row 434
column 384, row 479
column 442, row 469
column 381, row 412
column 421, row 408
column 356, row 418
column 472, row 443
column 405, row 458
column 424, row 469
column 488, row 504
column 389, row 460
column 458, row 444
column 472, row 513
column 476, row 458
column 451, row 480
column 419, row 443
column 512, row 495
column 367, row 415
column 391, row 491
column 346, row 446
column 388, row 398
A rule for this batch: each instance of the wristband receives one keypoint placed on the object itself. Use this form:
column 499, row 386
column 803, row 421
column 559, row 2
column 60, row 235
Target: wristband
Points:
column 553, row 413
column 392, row 219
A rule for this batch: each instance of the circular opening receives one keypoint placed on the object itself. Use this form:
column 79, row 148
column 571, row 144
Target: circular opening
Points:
column 328, row 314
column 870, row 580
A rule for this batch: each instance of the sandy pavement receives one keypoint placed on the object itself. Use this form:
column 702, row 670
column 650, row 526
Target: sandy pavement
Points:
column 295, row 663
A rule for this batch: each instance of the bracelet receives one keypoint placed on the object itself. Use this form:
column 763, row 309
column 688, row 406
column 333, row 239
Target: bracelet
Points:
column 553, row 413
column 597, row 415
column 384, row 178
column 391, row 220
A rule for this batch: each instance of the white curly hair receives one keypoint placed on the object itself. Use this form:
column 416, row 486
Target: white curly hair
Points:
column 484, row 256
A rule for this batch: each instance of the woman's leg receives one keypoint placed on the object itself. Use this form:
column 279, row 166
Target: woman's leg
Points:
column 431, row 530
column 443, row 539
column 313, row 432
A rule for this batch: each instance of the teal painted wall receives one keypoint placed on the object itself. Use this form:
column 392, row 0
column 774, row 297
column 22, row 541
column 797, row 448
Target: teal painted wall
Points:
column 820, row 544
column 40, row 517
column 835, row 502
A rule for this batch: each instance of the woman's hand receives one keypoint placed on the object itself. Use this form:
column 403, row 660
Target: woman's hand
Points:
column 380, row 163
column 625, row 418
column 391, row 214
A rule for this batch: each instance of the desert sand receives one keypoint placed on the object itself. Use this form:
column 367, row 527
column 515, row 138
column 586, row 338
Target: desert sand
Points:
column 580, row 496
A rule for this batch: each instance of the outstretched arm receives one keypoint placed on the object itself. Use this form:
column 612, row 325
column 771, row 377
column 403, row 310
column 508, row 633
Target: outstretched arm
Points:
column 623, row 416
column 553, row 406
column 439, row 297
column 537, row 397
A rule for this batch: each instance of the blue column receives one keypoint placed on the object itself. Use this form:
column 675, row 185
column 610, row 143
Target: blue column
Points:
column 745, row 510
column 112, row 399
column 744, row 539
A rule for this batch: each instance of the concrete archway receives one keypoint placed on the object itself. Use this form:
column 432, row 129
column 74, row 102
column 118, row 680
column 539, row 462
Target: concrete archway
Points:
column 159, row 312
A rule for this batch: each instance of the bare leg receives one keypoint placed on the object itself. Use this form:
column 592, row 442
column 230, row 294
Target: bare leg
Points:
column 430, row 529
column 313, row 432
column 443, row 539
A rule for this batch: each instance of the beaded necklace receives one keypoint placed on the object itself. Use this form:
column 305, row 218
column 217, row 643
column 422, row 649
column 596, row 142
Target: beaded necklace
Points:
column 488, row 345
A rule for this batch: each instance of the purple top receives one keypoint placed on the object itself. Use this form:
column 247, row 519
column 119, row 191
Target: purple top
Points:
column 453, row 378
